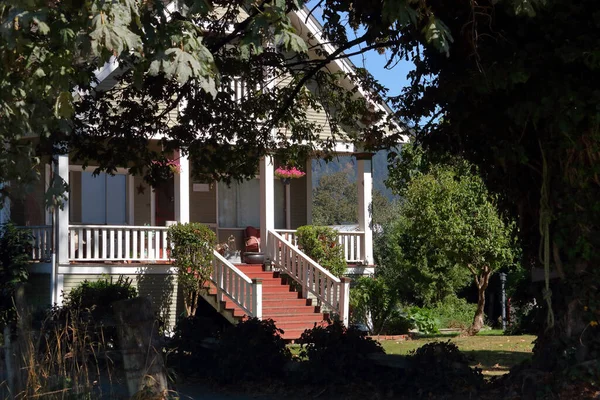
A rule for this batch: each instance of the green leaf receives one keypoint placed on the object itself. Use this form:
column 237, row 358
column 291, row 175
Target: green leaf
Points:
column 63, row 108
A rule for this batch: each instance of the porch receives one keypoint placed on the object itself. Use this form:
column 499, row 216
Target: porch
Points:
column 120, row 218
column 144, row 244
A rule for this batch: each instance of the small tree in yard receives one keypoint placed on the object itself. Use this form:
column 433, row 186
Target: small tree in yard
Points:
column 448, row 209
column 373, row 302
column 192, row 255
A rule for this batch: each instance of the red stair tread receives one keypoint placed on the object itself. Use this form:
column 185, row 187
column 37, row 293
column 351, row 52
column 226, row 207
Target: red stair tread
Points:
column 287, row 308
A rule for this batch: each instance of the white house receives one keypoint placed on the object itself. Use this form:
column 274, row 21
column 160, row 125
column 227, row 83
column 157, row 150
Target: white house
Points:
column 115, row 225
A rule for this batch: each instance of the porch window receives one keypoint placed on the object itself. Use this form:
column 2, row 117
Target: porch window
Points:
column 103, row 199
column 239, row 204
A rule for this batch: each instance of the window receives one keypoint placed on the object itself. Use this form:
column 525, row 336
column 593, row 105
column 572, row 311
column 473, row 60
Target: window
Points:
column 103, row 199
column 239, row 204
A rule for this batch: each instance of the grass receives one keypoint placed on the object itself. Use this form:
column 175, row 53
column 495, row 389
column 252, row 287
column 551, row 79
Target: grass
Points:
column 493, row 353
column 490, row 350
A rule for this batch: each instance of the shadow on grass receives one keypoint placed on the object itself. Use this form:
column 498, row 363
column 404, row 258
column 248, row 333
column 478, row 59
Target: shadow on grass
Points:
column 496, row 360
column 440, row 336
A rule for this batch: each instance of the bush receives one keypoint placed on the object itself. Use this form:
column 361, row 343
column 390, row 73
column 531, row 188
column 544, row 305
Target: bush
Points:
column 321, row 244
column 88, row 307
column 398, row 324
column 526, row 318
column 15, row 246
column 97, row 296
column 338, row 354
column 440, row 368
column 251, row 350
column 192, row 254
column 193, row 344
column 423, row 320
column 454, row 312
column 372, row 303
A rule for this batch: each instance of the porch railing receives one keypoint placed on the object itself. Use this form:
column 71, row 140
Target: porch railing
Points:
column 118, row 243
column 42, row 241
column 351, row 242
column 246, row 293
column 328, row 289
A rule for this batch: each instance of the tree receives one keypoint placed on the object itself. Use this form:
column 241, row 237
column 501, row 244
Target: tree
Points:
column 449, row 228
column 335, row 202
column 175, row 68
column 373, row 302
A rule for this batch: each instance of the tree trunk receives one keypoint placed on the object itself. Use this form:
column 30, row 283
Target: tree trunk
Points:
column 482, row 284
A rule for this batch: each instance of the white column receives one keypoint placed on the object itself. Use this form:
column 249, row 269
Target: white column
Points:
column 309, row 191
column 182, row 189
column 365, row 198
column 47, row 176
column 62, row 220
column 267, row 199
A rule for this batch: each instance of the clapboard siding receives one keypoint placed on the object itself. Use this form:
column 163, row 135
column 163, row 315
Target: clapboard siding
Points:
column 160, row 288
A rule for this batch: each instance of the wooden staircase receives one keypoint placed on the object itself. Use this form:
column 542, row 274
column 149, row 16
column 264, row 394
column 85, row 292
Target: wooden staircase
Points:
column 280, row 302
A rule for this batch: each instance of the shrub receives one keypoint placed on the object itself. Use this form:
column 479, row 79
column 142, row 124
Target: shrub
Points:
column 97, row 296
column 373, row 303
column 191, row 345
column 397, row 324
column 440, row 368
column 252, row 349
column 336, row 353
column 192, row 255
column 88, row 306
column 321, row 244
column 15, row 246
column 422, row 319
column 454, row 312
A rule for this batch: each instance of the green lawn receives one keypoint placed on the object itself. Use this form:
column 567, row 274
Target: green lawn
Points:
column 493, row 353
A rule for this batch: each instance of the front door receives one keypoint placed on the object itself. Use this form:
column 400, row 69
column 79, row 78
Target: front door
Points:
column 165, row 202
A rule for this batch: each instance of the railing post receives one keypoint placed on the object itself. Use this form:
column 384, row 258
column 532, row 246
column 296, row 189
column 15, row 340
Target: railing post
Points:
column 345, row 300
column 257, row 297
column 219, row 283
column 305, row 277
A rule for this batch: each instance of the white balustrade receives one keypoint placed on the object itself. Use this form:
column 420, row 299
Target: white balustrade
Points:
column 42, row 241
column 329, row 289
column 352, row 245
column 351, row 242
column 289, row 235
column 118, row 243
column 246, row 293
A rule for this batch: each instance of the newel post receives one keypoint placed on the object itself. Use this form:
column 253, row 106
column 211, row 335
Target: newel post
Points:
column 257, row 298
column 345, row 300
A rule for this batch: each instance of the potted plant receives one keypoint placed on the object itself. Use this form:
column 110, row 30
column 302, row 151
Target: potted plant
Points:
column 287, row 173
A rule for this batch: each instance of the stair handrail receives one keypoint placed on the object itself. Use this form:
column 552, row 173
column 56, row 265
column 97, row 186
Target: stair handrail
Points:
column 229, row 281
column 328, row 288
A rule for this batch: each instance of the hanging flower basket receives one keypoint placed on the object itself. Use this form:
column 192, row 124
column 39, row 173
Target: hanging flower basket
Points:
column 173, row 165
column 288, row 173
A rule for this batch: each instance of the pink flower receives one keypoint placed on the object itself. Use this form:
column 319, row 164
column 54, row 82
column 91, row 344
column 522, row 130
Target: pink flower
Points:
column 289, row 172
column 173, row 165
